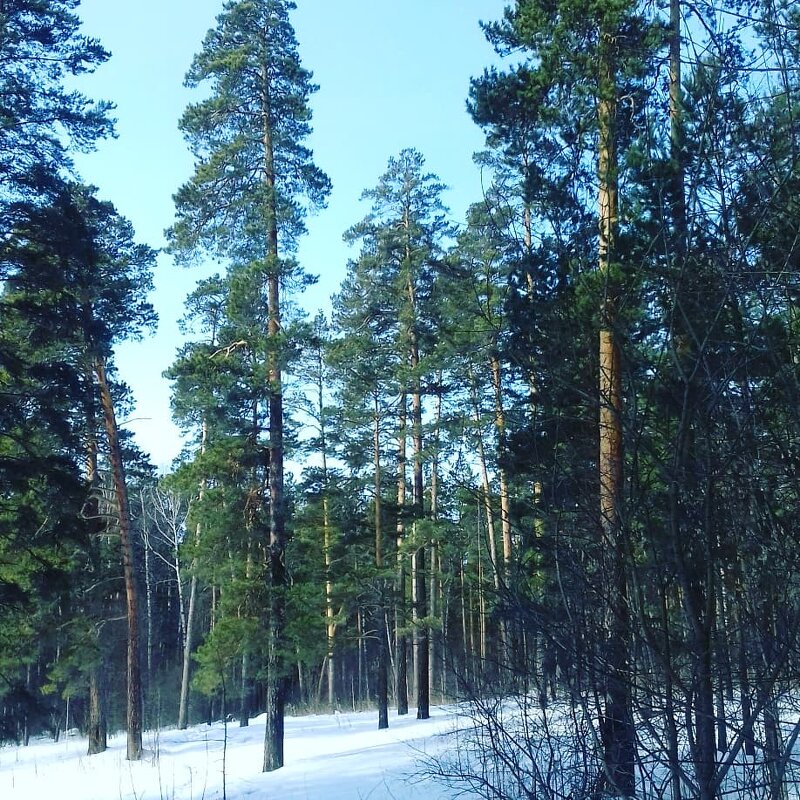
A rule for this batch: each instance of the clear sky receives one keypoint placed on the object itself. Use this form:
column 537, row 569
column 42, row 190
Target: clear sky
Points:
column 391, row 75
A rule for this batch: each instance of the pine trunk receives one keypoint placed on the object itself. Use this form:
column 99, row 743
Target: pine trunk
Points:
column 618, row 735
column 383, row 644
column 134, row 684
column 505, row 497
column 244, row 694
column 97, row 733
column 434, row 572
column 420, row 590
column 421, row 643
column 507, row 630
column 401, row 638
column 148, row 595
column 330, row 621
column 277, row 578
column 183, row 708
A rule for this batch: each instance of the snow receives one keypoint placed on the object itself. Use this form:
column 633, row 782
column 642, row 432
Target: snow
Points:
column 327, row 757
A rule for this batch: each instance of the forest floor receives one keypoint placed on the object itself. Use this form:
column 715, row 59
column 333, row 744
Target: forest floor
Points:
column 328, row 757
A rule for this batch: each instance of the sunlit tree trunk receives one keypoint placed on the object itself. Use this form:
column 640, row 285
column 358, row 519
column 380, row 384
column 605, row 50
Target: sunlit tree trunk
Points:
column 508, row 632
column 617, row 729
column 134, row 683
column 502, row 475
column 330, row 621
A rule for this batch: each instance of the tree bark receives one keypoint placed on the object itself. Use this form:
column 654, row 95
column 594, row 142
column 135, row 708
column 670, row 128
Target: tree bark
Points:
column 244, row 694
column 134, row 685
column 434, row 572
column 98, row 732
column 505, row 498
column 401, row 638
column 183, row 707
column 383, row 644
column 327, row 539
column 148, row 593
column 277, row 577
column 421, row 636
column 508, row 631
column 617, row 729
column 330, row 618
column 420, row 591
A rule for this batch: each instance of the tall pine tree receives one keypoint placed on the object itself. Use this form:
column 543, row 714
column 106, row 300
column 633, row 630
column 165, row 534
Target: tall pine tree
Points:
column 253, row 182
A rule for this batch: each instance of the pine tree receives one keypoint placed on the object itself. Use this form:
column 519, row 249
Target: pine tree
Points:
column 245, row 202
column 196, row 407
column 315, row 371
column 40, row 505
column 473, row 346
column 40, row 47
column 79, row 257
column 219, row 395
column 364, row 362
column 565, row 99
column 402, row 244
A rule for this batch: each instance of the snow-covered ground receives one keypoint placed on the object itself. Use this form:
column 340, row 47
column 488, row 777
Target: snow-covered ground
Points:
column 328, row 757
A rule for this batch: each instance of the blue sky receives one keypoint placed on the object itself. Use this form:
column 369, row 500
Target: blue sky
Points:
column 391, row 75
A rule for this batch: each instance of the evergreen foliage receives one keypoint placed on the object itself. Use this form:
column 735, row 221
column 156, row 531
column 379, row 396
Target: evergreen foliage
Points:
column 40, row 46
